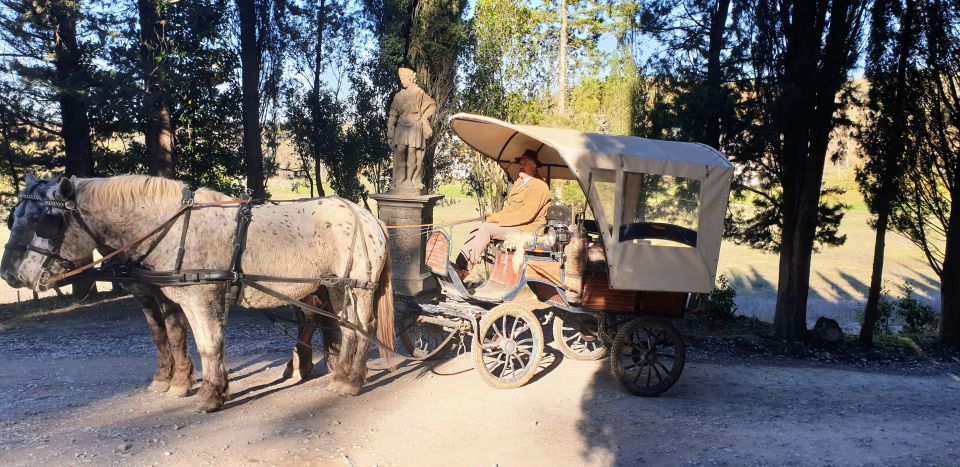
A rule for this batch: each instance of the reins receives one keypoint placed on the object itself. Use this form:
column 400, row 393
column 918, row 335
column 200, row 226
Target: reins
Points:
column 183, row 209
column 234, row 276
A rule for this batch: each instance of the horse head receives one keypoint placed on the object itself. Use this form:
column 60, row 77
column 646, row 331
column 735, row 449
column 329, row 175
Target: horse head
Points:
column 47, row 234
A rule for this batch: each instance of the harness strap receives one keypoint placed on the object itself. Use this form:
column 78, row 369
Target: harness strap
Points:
column 138, row 241
column 344, row 323
column 244, row 216
column 188, row 199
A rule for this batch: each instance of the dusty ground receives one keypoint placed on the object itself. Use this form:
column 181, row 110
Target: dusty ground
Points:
column 72, row 392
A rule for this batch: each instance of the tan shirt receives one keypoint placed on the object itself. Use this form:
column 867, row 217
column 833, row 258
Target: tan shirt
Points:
column 526, row 206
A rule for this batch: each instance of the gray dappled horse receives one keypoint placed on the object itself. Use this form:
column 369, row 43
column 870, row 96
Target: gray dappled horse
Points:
column 309, row 239
column 168, row 326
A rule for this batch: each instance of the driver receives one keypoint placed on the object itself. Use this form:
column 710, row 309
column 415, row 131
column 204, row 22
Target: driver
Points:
column 524, row 211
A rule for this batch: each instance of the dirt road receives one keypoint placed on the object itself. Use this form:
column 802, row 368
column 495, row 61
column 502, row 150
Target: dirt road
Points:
column 72, row 392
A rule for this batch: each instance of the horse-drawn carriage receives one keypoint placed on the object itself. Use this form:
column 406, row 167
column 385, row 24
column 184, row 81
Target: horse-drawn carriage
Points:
column 609, row 275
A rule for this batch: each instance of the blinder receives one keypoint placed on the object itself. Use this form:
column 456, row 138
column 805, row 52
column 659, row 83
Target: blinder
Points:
column 51, row 226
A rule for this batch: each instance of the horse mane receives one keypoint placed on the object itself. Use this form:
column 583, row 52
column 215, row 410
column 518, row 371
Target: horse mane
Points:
column 139, row 189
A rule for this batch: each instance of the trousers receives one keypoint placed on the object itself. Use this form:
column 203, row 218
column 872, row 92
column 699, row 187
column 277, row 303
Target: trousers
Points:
column 479, row 238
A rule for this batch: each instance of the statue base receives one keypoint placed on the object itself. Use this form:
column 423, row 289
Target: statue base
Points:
column 407, row 248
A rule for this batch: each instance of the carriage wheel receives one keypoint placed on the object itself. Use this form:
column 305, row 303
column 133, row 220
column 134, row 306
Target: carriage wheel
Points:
column 648, row 356
column 420, row 338
column 512, row 346
column 577, row 335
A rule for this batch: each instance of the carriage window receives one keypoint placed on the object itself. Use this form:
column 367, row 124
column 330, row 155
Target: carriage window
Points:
column 660, row 210
column 605, row 184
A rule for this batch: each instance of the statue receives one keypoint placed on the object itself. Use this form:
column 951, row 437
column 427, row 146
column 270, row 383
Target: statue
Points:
column 408, row 130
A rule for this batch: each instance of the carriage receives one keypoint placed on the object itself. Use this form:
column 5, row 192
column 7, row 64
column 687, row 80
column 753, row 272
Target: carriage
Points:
column 608, row 273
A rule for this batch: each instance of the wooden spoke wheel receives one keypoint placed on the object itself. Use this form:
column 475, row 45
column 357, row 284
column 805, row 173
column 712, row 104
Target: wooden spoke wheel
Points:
column 419, row 338
column 511, row 346
column 577, row 335
column 647, row 356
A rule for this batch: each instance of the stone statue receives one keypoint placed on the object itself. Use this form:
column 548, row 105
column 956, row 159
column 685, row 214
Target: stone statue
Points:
column 408, row 130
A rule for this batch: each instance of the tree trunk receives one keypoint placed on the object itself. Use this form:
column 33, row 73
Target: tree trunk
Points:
column 68, row 61
column 156, row 109
column 714, row 83
column 870, row 313
column 315, row 105
column 250, row 80
column 950, row 275
column 562, row 98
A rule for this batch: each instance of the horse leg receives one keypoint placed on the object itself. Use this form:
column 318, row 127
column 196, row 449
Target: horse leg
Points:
column 153, row 313
column 347, row 341
column 302, row 361
column 331, row 340
column 352, row 364
column 176, row 324
column 207, row 315
column 329, row 329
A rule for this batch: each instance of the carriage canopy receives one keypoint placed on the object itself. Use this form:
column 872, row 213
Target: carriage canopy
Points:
column 660, row 205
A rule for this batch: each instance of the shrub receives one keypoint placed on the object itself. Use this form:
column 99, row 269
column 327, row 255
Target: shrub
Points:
column 917, row 317
column 885, row 313
column 721, row 303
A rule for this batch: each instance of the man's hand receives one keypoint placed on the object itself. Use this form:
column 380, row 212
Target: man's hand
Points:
column 427, row 131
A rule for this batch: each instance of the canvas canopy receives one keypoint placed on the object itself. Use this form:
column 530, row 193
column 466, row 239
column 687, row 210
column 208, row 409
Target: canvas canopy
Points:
column 660, row 204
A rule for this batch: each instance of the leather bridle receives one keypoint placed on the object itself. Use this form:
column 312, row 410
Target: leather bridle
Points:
column 52, row 227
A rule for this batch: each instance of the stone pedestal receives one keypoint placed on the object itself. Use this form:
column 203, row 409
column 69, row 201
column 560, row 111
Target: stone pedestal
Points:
column 407, row 246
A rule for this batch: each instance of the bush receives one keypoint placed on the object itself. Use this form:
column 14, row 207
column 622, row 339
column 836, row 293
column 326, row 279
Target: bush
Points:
column 721, row 303
column 917, row 317
column 912, row 316
column 885, row 314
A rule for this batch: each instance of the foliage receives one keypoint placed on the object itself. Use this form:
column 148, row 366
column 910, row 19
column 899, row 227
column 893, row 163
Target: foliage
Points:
column 886, row 314
column 917, row 317
column 721, row 303
column 926, row 217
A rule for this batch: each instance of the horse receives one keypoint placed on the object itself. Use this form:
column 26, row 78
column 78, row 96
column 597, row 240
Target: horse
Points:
column 342, row 239
column 165, row 319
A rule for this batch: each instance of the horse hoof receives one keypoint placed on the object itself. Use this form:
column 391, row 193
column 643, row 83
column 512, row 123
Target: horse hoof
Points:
column 158, row 386
column 178, row 391
column 210, row 406
column 343, row 389
column 305, row 372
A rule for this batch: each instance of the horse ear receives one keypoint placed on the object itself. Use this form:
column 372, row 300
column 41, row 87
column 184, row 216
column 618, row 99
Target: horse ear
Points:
column 65, row 188
column 29, row 178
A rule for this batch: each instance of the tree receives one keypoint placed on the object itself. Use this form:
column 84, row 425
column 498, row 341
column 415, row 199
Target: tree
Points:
column 158, row 136
column 801, row 56
column 702, row 58
column 250, row 56
column 886, row 138
column 928, row 216
column 44, row 38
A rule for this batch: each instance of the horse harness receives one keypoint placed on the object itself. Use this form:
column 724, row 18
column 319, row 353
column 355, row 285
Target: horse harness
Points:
column 52, row 227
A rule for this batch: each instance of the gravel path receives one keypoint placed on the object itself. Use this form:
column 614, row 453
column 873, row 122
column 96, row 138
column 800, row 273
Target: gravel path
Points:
column 72, row 392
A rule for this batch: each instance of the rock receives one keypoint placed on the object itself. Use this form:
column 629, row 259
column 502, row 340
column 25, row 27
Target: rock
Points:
column 124, row 447
column 827, row 330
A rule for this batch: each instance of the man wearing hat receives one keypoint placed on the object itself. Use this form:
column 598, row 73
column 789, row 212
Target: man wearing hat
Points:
column 524, row 211
column 408, row 129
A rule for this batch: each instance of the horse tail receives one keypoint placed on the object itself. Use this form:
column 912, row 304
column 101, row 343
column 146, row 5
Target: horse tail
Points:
column 383, row 300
